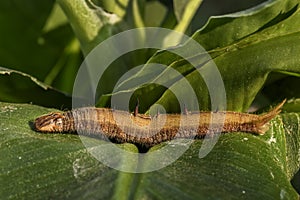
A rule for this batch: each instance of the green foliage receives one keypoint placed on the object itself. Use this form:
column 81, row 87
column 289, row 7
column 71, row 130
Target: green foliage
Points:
column 35, row 42
column 251, row 54
column 256, row 51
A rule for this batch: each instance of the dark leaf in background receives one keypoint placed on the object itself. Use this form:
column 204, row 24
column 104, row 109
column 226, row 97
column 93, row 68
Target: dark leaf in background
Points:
column 36, row 39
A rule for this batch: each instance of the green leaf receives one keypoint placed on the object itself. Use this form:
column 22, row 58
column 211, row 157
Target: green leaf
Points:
column 227, row 30
column 241, row 165
column 23, row 88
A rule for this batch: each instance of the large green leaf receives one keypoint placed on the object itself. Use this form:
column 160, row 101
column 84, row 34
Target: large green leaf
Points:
column 241, row 165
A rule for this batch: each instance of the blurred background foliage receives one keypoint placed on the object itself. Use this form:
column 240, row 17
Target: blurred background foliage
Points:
column 47, row 49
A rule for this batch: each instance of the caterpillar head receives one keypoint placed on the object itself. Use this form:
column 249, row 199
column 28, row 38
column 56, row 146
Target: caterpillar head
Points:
column 52, row 122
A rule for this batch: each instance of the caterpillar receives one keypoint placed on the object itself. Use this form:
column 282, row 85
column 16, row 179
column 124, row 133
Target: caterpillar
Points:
column 141, row 129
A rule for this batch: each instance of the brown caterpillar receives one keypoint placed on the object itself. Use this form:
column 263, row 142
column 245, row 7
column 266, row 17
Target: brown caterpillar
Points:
column 122, row 126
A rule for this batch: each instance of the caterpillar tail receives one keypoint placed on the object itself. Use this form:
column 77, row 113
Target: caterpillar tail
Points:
column 262, row 123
